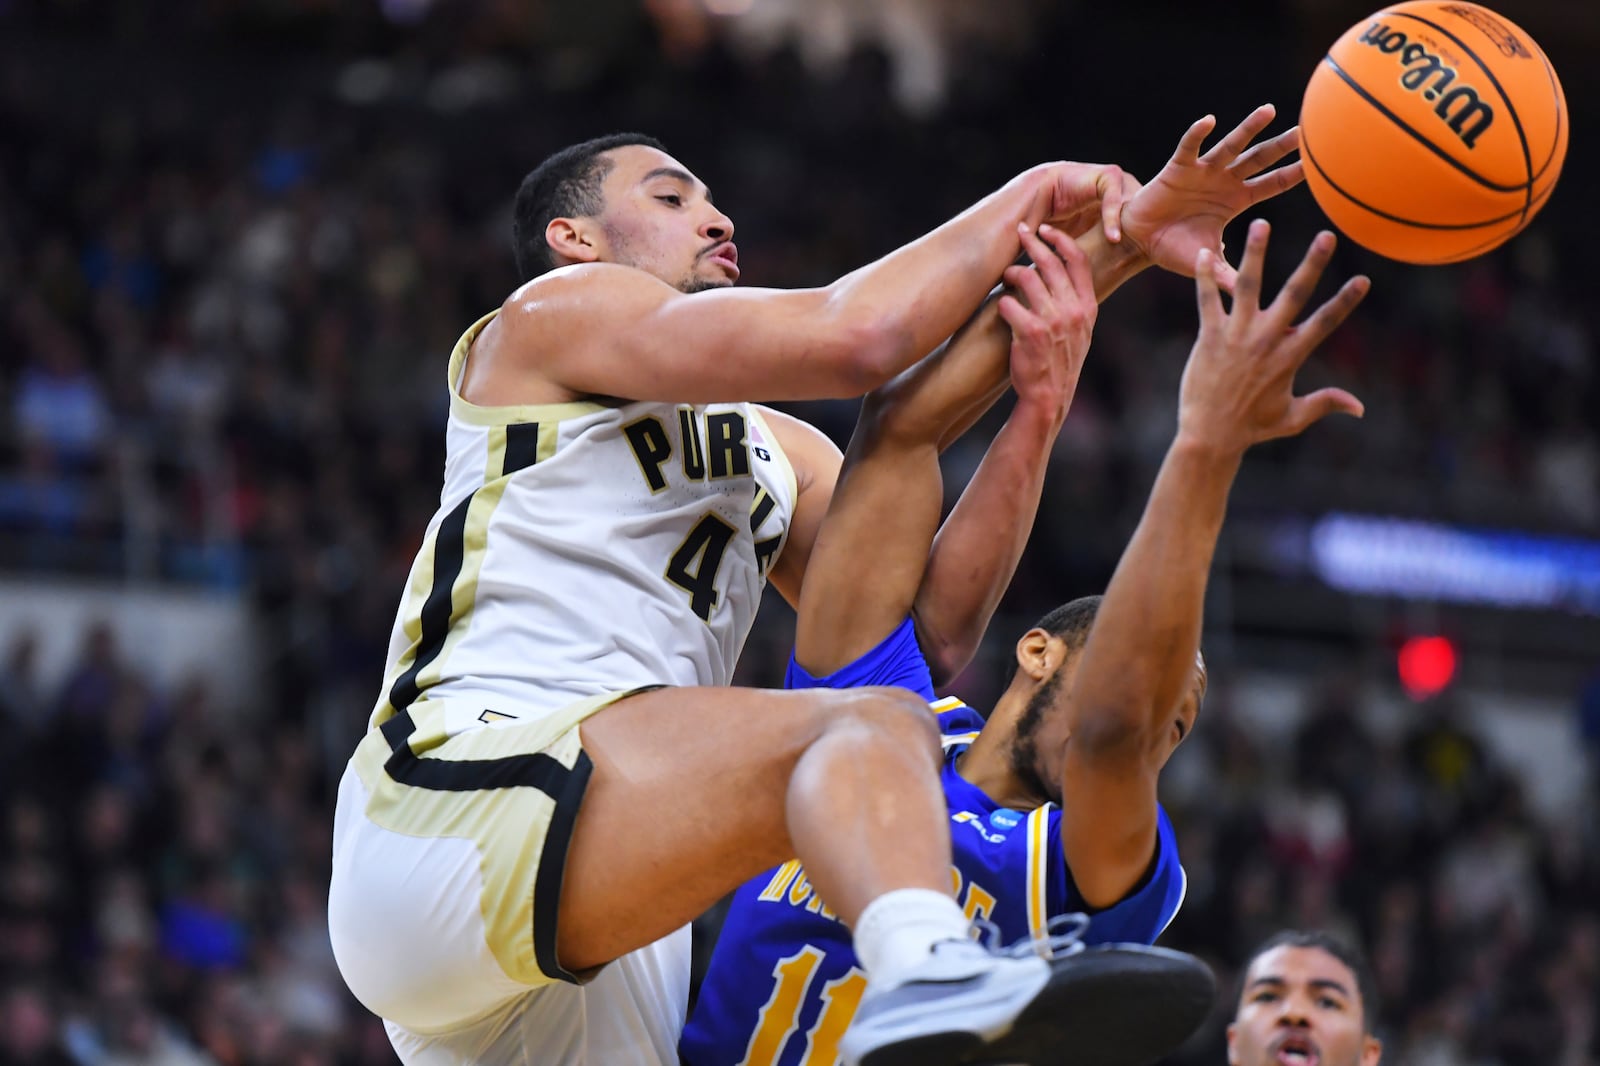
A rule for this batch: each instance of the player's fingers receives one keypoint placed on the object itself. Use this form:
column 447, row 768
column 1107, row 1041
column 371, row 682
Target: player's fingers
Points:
column 1080, row 276
column 1189, row 146
column 1113, row 194
column 1268, row 152
column 1045, row 261
column 1239, row 138
column 1022, row 321
column 1274, row 182
column 1205, row 288
column 1327, row 318
column 1227, row 276
column 1297, row 291
column 1306, row 410
column 1031, row 289
column 1247, row 285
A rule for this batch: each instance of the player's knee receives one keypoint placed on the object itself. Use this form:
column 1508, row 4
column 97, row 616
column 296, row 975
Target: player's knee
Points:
column 894, row 715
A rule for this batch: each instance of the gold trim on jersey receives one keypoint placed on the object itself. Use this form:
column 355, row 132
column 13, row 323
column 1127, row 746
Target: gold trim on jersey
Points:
column 444, row 580
column 517, row 446
column 950, row 703
column 1039, row 854
column 467, row 411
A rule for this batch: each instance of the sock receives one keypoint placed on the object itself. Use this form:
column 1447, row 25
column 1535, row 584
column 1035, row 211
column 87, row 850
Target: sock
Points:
column 897, row 931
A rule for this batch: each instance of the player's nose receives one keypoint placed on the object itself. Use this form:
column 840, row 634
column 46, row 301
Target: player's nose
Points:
column 1295, row 1012
column 717, row 227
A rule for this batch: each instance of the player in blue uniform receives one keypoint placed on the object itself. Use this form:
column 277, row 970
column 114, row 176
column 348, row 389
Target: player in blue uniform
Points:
column 1052, row 801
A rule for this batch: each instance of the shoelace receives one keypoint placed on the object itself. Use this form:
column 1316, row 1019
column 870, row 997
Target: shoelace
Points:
column 1063, row 936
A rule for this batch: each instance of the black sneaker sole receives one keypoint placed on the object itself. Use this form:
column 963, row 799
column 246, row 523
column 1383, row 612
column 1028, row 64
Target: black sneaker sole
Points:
column 1114, row 1005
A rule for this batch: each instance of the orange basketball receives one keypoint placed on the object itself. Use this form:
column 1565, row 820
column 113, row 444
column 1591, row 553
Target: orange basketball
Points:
column 1433, row 131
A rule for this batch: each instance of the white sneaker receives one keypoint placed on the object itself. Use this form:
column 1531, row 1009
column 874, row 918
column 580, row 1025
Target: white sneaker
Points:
column 1116, row 1005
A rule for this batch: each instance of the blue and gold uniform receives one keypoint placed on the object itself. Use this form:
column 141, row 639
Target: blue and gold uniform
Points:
column 784, row 983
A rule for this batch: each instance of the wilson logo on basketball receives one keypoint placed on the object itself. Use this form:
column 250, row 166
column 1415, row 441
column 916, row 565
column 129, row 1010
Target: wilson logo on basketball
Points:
column 1430, row 75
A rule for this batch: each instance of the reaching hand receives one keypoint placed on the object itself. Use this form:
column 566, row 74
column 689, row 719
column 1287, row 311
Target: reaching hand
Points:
column 1077, row 189
column 1238, row 388
column 1186, row 206
column 1091, row 214
column 1053, row 319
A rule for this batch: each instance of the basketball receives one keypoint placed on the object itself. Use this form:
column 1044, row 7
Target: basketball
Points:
column 1433, row 131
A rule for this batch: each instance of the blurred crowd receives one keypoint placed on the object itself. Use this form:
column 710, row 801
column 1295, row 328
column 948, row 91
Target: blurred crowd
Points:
column 163, row 879
column 226, row 301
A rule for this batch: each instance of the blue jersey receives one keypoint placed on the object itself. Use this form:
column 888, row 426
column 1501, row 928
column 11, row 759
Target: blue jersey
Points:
column 784, row 981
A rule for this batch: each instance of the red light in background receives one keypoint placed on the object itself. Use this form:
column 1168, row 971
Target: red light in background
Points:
column 1427, row 666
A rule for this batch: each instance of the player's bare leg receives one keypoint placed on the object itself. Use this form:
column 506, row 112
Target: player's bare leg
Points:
column 696, row 790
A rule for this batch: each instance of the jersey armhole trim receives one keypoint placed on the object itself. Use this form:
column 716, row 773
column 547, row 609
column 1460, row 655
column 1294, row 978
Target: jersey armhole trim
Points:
column 781, row 457
column 467, row 411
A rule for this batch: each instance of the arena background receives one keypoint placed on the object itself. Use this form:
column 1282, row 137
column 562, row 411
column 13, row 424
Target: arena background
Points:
column 238, row 237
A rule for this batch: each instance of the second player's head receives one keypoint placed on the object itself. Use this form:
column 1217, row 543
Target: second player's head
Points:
column 1306, row 998
column 1047, row 659
column 623, row 199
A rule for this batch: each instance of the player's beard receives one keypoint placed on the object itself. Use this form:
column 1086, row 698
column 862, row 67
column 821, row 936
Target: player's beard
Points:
column 696, row 283
column 1024, row 744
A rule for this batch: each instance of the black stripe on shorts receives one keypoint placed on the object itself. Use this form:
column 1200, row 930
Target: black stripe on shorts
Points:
column 536, row 770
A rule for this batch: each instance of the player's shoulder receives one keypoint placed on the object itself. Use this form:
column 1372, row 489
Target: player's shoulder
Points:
column 580, row 288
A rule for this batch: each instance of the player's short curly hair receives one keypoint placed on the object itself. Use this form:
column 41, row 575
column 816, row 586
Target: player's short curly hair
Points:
column 566, row 185
column 1070, row 622
column 1351, row 956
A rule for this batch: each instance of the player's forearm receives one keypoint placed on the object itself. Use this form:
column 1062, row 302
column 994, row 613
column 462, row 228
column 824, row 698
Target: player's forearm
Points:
column 1111, row 264
column 939, row 398
column 915, row 297
column 977, row 549
column 1140, row 657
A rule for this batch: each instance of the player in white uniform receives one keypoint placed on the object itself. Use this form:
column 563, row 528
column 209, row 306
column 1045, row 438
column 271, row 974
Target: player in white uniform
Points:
column 589, row 548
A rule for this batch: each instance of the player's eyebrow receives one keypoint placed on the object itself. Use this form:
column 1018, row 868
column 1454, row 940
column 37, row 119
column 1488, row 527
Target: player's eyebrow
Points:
column 677, row 175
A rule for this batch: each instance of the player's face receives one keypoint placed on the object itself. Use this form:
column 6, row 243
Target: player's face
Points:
column 1300, row 1007
column 659, row 218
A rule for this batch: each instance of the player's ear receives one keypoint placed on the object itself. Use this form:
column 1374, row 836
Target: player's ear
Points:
column 573, row 240
column 1371, row 1051
column 1233, row 1052
column 1035, row 657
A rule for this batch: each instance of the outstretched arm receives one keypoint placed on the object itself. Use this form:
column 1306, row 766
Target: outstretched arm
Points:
column 869, row 558
column 1183, row 210
column 1126, row 705
column 602, row 328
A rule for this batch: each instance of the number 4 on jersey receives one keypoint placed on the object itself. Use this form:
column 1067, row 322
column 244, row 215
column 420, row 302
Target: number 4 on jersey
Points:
column 693, row 567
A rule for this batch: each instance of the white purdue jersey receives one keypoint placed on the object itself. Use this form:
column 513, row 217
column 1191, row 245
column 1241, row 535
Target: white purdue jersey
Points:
column 587, row 548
